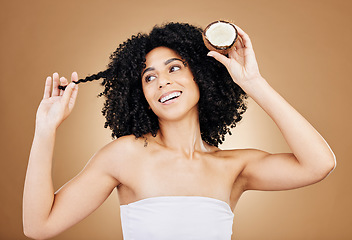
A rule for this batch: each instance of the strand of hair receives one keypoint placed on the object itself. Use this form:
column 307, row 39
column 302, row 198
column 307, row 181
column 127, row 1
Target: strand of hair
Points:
column 89, row 78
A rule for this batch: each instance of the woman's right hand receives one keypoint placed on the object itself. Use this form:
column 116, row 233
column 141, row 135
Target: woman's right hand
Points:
column 56, row 104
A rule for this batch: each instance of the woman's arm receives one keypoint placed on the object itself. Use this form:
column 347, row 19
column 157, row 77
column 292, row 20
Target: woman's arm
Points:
column 311, row 158
column 46, row 214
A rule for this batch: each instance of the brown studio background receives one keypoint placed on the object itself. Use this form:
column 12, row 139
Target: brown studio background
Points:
column 303, row 49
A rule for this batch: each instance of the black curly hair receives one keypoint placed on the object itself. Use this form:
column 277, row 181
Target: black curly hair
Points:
column 221, row 104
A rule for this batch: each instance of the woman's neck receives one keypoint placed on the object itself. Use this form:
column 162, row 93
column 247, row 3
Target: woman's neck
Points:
column 182, row 135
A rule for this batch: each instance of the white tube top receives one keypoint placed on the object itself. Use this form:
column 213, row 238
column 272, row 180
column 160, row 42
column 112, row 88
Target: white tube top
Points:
column 177, row 218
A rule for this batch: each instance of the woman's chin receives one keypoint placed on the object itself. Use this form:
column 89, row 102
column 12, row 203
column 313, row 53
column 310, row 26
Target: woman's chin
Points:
column 177, row 114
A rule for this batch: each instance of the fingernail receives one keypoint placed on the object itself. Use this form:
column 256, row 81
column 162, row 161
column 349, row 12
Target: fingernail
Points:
column 210, row 54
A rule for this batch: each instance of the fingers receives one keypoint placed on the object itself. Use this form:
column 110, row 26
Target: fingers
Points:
column 74, row 77
column 47, row 88
column 63, row 82
column 56, row 83
column 233, row 53
column 67, row 93
column 238, row 43
column 246, row 41
column 238, row 49
column 221, row 58
column 73, row 97
column 71, row 92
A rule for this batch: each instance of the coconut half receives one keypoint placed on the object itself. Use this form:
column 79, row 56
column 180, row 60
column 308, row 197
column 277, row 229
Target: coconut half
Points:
column 220, row 36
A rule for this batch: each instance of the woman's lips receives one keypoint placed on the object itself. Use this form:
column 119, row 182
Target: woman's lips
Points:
column 169, row 97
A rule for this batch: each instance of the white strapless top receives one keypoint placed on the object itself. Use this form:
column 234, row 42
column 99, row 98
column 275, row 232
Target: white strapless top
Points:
column 177, row 218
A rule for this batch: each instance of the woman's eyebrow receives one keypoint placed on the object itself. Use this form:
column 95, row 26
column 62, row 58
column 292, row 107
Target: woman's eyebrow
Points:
column 148, row 69
column 173, row 59
column 166, row 63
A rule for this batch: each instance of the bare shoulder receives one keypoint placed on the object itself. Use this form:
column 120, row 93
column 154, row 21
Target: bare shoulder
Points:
column 123, row 146
column 114, row 155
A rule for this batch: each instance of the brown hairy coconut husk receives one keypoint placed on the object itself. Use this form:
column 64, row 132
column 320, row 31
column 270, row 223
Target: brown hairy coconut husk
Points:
column 220, row 36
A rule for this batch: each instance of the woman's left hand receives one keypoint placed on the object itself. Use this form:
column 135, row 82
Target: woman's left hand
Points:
column 241, row 62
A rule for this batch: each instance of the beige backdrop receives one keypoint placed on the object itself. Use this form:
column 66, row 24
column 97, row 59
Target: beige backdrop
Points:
column 303, row 49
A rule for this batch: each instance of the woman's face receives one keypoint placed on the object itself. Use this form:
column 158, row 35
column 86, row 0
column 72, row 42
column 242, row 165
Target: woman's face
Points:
column 168, row 84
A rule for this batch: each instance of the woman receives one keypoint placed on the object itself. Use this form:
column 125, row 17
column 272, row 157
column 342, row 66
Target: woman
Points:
column 169, row 104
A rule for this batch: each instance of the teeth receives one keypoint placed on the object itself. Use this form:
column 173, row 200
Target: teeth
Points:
column 168, row 97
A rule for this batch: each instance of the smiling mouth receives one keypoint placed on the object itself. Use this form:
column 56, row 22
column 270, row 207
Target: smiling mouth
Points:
column 168, row 97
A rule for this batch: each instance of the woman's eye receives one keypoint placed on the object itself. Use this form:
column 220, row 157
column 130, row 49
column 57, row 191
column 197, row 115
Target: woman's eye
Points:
column 175, row 68
column 149, row 78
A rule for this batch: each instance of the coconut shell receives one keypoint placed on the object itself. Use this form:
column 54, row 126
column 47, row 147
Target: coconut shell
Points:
column 221, row 49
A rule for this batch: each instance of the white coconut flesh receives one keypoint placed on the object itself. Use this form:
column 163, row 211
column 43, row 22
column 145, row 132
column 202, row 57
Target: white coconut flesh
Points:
column 221, row 34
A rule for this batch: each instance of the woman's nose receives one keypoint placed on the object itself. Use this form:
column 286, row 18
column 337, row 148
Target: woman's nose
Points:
column 161, row 86
column 164, row 80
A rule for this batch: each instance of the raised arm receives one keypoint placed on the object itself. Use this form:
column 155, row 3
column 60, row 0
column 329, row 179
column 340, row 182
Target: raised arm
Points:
column 45, row 213
column 311, row 159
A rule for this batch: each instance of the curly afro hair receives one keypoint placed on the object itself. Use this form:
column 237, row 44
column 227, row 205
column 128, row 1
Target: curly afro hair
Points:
column 221, row 103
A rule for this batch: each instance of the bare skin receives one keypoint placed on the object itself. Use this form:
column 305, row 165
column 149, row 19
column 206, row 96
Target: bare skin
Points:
column 176, row 162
